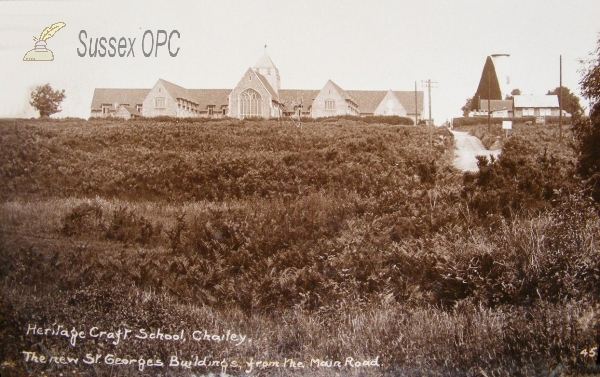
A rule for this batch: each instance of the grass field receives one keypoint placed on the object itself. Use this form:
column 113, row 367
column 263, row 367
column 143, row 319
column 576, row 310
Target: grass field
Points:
column 341, row 241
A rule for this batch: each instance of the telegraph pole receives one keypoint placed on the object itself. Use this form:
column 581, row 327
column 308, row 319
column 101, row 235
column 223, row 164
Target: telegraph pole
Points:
column 416, row 106
column 560, row 104
column 429, row 85
column 489, row 108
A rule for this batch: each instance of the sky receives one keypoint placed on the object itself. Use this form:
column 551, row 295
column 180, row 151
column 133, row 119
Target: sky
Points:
column 360, row 45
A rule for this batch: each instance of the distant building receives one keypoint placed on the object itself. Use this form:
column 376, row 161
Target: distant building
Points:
column 257, row 94
column 106, row 102
column 500, row 108
column 537, row 106
column 519, row 106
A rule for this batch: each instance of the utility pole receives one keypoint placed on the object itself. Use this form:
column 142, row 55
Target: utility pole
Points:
column 429, row 85
column 560, row 104
column 416, row 106
column 489, row 108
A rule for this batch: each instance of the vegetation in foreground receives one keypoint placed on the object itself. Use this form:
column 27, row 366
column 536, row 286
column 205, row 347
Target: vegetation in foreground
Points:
column 342, row 239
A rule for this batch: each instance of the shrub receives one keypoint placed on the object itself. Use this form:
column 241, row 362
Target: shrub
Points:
column 125, row 226
column 84, row 218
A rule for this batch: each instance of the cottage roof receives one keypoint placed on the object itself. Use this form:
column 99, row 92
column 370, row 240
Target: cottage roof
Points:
column 534, row 101
column 110, row 96
column 496, row 105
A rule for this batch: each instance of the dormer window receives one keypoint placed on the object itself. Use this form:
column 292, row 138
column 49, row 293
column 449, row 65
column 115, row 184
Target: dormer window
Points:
column 211, row 109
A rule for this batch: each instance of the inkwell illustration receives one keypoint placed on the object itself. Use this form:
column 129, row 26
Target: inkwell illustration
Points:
column 40, row 52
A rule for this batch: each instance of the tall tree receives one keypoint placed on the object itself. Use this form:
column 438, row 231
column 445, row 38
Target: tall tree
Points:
column 569, row 101
column 46, row 100
column 587, row 131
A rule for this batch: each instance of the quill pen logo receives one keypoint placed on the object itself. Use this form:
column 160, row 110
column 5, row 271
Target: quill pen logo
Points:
column 40, row 52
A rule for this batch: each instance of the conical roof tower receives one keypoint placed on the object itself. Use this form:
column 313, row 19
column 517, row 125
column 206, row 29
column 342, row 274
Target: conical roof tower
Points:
column 266, row 67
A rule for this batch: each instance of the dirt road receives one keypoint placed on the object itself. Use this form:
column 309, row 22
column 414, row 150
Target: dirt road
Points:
column 467, row 148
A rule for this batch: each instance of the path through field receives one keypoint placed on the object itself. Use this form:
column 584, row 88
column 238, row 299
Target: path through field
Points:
column 467, row 148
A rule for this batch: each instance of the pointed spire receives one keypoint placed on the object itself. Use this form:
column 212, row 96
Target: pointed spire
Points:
column 264, row 61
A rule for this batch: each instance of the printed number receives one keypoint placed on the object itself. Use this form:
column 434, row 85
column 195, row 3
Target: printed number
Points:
column 591, row 353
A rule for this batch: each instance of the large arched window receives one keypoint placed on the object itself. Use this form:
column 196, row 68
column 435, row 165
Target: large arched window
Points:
column 250, row 103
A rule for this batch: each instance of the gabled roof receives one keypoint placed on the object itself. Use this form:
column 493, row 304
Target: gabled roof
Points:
column 132, row 110
column 342, row 92
column 264, row 62
column 407, row 99
column 367, row 100
column 533, row 101
column 110, row 96
column 176, row 91
column 268, row 86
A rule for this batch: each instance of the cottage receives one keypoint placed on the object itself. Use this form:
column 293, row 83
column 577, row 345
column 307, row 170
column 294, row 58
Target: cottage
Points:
column 536, row 105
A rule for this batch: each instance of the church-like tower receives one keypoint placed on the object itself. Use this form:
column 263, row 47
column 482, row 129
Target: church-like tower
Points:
column 265, row 67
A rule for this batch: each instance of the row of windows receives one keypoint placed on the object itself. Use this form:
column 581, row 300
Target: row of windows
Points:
column 531, row 112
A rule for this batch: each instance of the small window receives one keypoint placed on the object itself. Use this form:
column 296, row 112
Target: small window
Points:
column 211, row 110
column 159, row 103
column 138, row 107
column 329, row 104
column 105, row 109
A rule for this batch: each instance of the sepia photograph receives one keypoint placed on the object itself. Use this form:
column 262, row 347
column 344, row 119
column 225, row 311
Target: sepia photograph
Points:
column 300, row 188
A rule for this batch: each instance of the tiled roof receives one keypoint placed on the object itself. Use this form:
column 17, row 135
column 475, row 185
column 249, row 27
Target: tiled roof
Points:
column 534, row 101
column 407, row 99
column 177, row 91
column 367, row 100
column 110, row 96
column 206, row 97
column 343, row 93
column 296, row 95
column 268, row 86
column 132, row 110
column 496, row 105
